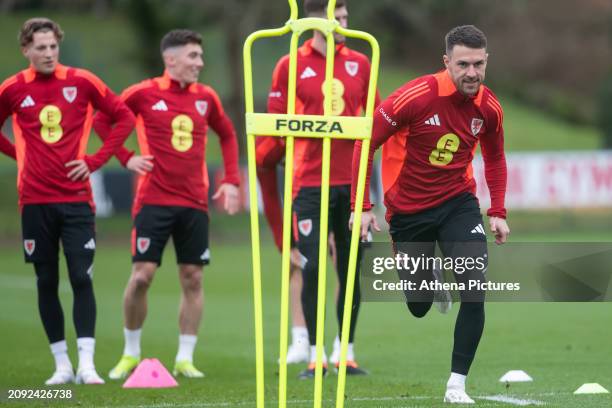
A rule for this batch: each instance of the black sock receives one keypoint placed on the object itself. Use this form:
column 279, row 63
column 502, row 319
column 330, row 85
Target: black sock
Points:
column 49, row 306
column 80, row 270
column 468, row 330
column 342, row 251
column 309, row 296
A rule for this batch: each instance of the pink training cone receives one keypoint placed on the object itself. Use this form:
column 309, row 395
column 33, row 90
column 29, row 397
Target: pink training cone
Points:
column 150, row 373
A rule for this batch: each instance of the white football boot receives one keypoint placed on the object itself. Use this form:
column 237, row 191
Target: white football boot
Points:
column 457, row 396
column 61, row 376
column 88, row 376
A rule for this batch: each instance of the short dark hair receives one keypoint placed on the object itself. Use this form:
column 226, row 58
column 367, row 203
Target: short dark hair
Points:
column 320, row 6
column 467, row 35
column 36, row 24
column 177, row 38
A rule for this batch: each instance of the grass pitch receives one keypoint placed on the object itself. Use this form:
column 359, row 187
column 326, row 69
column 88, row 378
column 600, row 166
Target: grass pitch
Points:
column 560, row 345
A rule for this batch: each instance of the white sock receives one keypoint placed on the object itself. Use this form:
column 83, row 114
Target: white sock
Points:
column 187, row 344
column 60, row 354
column 132, row 342
column 350, row 354
column 299, row 335
column 86, row 347
column 456, row 381
column 313, row 355
column 337, row 343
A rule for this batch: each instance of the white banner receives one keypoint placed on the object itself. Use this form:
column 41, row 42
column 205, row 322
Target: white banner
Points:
column 553, row 180
column 541, row 181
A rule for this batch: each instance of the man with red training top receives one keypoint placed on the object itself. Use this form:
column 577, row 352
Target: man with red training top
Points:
column 432, row 126
column 350, row 89
column 52, row 108
column 173, row 113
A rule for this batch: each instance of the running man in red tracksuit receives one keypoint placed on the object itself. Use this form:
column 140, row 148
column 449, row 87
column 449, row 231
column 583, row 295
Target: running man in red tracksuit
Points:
column 432, row 126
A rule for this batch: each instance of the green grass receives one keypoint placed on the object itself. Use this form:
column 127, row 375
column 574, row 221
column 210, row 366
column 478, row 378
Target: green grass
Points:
column 561, row 345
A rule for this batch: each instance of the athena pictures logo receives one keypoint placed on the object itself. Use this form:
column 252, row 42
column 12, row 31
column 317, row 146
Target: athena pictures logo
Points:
column 29, row 245
column 143, row 244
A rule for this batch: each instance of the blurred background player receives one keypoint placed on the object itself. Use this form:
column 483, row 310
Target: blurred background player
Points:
column 52, row 107
column 436, row 122
column 270, row 152
column 173, row 113
column 350, row 89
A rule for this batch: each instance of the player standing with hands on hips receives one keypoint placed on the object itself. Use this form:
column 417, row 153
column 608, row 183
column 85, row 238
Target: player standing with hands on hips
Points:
column 52, row 107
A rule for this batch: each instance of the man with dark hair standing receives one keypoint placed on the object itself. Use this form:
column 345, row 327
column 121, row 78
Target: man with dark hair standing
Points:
column 173, row 113
column 350, row 91
column 432, row 126
column 52, row 108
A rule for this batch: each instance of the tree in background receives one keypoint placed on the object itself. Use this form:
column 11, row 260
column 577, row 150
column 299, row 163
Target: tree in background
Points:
column 605, row 112
column 548, row 53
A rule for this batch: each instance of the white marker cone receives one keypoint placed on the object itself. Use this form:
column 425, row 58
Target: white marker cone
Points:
column 591, row 388
column 515, row 376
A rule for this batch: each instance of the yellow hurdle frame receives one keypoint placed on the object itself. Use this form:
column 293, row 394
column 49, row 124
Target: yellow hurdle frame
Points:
column 346, row 127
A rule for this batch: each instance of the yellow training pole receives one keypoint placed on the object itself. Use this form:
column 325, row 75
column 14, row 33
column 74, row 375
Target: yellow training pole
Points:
column 286, row 251
column 355, row 234
column 252, row 170
column 323, row 220
column 255, row 245
column 287, row 230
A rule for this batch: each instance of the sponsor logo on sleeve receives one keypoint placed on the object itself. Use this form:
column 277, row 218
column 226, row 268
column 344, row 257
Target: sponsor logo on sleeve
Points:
column 388, row 118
